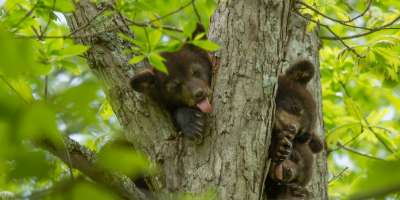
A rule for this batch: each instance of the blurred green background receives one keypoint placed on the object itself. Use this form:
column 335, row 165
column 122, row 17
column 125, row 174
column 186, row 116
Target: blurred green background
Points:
column 47, row 91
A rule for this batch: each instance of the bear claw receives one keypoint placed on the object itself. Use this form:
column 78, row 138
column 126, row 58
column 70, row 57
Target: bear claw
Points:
column 190, row 121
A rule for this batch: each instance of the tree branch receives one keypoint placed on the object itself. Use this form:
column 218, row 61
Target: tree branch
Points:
column 332, row 32
column 345, row 23
column 386, row 26
column 362, row 13
column 337, row 176
column 351, row 150
column 84, row 160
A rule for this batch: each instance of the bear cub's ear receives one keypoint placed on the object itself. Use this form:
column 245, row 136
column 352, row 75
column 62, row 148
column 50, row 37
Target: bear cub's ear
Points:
column 301, row 72
column 143, row 81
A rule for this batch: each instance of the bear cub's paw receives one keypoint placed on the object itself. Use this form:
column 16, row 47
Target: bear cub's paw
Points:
column 191, row 122
column 298, row 191
column 283, row 147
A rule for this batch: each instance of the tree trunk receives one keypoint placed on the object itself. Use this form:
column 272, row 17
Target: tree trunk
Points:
column 258, row 38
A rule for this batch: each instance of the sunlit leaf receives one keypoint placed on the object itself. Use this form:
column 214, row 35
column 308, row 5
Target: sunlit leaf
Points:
column 158, row 62
column 125, row 160
column 206, row 45
column 106, row 110
column 73, row 50
column 377, row 178
column 39, row 122
column 136, row 59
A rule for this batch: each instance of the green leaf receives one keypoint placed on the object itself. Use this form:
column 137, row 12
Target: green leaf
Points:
column 60, row 5
column 39, row 122
column 71, row 67
column 136, row 59
column 189, row 27
column 158, row 62
column 377, row 179
column 106, row 111
column 199, row 36
column 154, row 37
column 73, row 50
column 86, row 190
column 17, row 56
column 171, row 46
column 30, row 164
column 206, row 45
column 124, row 159
column 23, row 89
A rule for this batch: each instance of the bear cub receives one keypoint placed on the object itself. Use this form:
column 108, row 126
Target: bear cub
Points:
column 185, row 90
column 293, row 137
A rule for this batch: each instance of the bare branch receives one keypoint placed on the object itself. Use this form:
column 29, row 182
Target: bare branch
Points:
column 343, row 22
column 43, row 32
column 362, row 13
column 351, row 150
column 339, row 175
column 113, row 28
column 386, row 26
column 332, row 32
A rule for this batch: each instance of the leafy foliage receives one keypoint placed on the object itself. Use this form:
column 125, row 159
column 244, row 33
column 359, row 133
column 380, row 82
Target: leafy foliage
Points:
column 48, row 92
column 361, row 95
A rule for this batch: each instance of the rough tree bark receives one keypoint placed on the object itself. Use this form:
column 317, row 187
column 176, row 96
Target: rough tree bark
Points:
column 258, row 39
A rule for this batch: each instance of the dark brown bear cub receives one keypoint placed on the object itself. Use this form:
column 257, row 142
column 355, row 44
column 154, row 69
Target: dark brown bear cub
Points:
column 184, row 91
column 293, row 139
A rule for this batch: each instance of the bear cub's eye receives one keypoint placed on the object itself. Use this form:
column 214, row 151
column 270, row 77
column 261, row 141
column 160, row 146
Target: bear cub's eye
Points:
column 196, row 69
column 174, row 85
column 196, row 73
column 295, row 109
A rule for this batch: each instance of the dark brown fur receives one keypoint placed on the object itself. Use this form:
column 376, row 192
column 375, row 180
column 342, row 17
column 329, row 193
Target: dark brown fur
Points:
column 181, row 90
column 293, row 140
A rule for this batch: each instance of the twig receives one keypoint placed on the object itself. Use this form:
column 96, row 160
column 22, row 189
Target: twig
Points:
column 88, row 23
column 46, row 87
column 139, row 24
column 362, row 13
column 337, row 20
column 357, row 152
column 43, row 32
column 142, row 24
column 196, row 11
column 332, row 32
column 28, row 14
column 369, row 127
column 36, row 32
column 365, row 33
column 337, row 176
column 171, row 13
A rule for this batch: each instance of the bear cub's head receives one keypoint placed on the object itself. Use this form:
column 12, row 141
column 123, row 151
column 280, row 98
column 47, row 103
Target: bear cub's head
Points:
column 295, row 106
column 186, row 84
